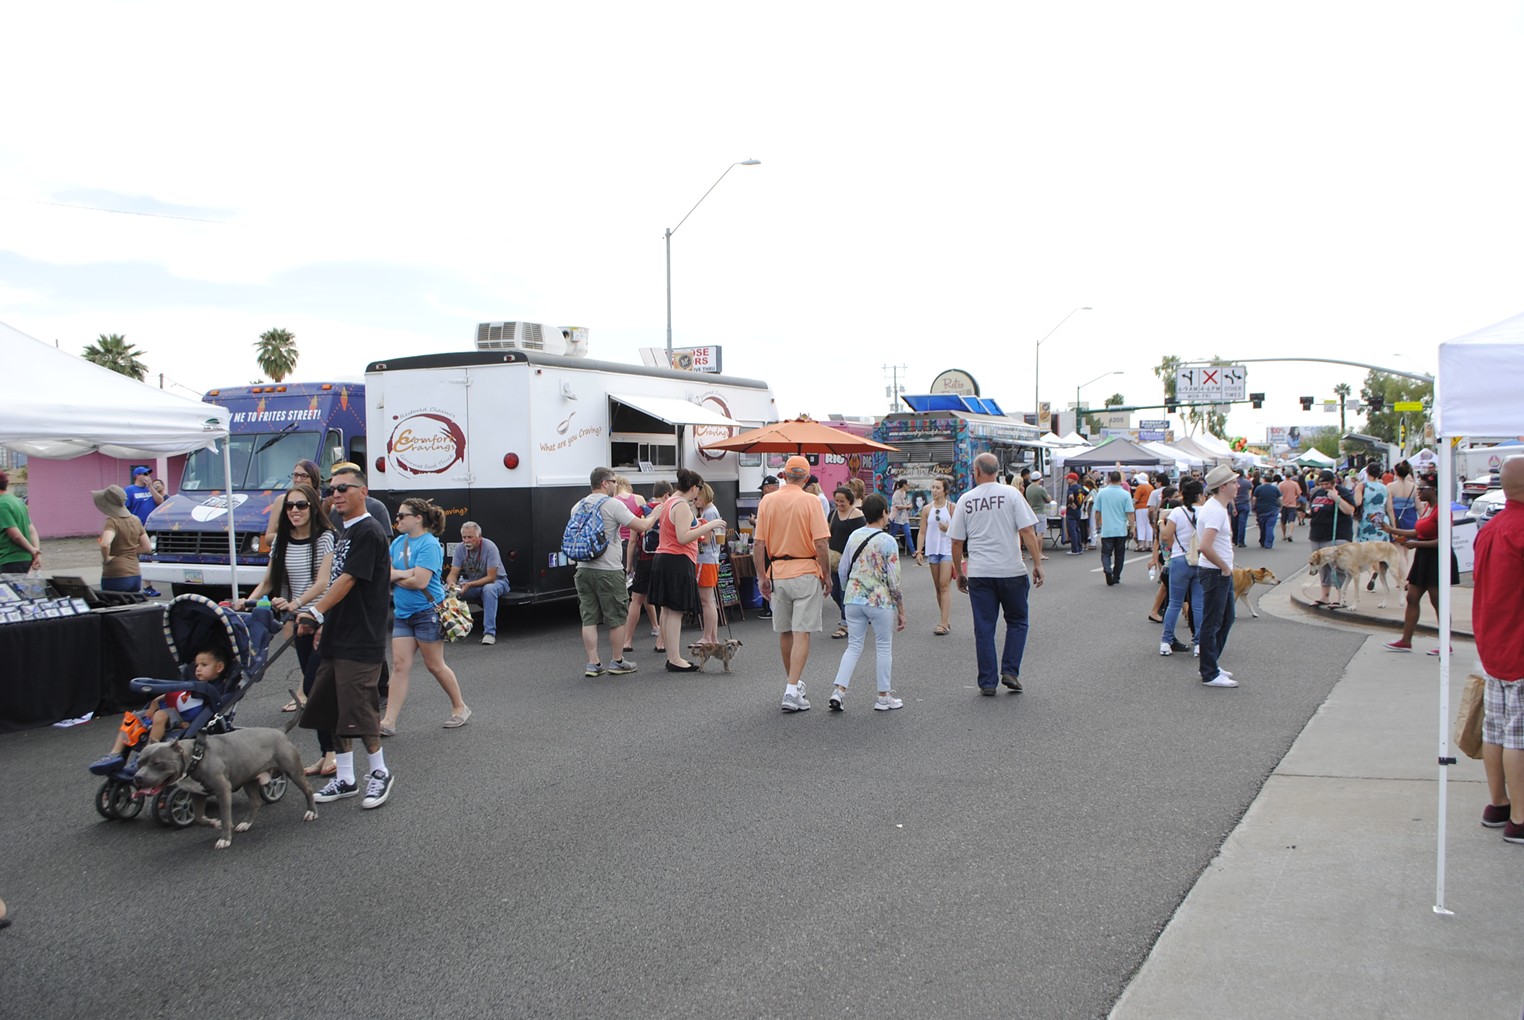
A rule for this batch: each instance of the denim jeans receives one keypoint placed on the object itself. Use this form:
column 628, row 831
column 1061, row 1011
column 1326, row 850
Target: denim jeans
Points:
column 487, row 595
column 859, row 618
column 1076, row 528
column 902, row 531
column 989, row 597
column 1184, row 580
column 1240, row 523
column 1113, row 551
column 133, row 583
column 1216, row 618
column 1267, row 527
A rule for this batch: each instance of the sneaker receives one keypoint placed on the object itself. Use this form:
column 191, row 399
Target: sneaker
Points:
column 593, row 669
column 151, row 592
column 887, row 703
column 837, row 695
column 1435, row 651
column 1495, row 816
column 1220, row 680
column 1165, row 648
column 619, row 667
column 988, row 692
column 1196, row 651
column 489, row 639
column 1179, row 646
column 377, row 788
column 1513, row 833
column 1013, row 682
column 1398, row 646
column 336, row 790
column 109, row 764
column 458, row 719
column 764, row 614
column 796, row 702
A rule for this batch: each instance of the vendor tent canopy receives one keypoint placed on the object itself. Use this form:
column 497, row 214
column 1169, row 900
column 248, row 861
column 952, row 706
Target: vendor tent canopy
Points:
column 1315, row 458
column 1117, row 452
column 1208, row 456
column 1074, row 439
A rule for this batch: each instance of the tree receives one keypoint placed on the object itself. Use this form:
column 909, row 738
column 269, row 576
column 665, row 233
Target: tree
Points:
column 1388, row 424
column 1092, row 423
column 1342, row 392
column 1215, row 421
column 275, row 351
column 1324, row 441
column 115, row 353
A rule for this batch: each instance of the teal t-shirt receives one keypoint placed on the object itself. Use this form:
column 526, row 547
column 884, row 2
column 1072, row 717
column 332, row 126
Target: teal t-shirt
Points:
column 13, row 515
column 407, row 553
column 1115, row 506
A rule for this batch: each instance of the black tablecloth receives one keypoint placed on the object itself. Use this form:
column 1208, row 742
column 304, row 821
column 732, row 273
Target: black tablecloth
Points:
column 132, row 645
column 49, row 670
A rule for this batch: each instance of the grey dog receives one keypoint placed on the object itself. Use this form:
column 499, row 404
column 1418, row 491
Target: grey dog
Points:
column 214, row 765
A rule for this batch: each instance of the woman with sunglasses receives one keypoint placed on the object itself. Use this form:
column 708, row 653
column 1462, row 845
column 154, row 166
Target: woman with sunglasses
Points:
column 305, row 473
column 417, row 561
column 301, row 562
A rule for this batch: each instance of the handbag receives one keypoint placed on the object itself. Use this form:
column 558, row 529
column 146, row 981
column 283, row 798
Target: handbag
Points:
column 1468, row 719
column 454, row 617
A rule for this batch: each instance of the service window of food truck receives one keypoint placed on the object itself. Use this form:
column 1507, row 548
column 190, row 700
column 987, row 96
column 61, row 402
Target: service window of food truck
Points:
column 637, row 439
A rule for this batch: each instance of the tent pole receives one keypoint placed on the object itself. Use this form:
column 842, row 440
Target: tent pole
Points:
column 1446, row 487
column 227, row 478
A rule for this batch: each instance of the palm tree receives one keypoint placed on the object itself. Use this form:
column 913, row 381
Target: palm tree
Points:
column 1342, row 391
column 115, row 353
column 275, row 351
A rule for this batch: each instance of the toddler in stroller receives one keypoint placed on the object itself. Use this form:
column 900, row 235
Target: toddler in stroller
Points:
column 173, row 708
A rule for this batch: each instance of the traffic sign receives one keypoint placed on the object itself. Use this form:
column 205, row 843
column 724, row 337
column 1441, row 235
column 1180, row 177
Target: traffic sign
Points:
column 1408, row 405
column 1210, row 383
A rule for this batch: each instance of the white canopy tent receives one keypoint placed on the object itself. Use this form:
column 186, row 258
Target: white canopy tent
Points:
column 1315, row 458
column 1475, row 394
column 65, row 407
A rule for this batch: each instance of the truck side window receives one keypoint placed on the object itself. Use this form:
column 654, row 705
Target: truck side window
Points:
column 332, row 451
column 357, row 451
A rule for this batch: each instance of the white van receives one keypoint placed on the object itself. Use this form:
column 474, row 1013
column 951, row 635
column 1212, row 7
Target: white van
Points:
column 509, row 438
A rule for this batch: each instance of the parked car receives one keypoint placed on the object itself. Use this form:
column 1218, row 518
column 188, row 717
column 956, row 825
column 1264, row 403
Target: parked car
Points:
column 1485, row 507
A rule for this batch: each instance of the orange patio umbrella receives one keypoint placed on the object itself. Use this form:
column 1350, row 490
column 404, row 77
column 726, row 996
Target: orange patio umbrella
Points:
column 797, row 435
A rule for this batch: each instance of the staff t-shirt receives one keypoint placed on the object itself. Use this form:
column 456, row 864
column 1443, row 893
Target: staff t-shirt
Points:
column 989, row 519
column 1209, row 515
column 355, row 628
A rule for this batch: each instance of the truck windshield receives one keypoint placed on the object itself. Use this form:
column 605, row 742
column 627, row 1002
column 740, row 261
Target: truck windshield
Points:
column 260, row 461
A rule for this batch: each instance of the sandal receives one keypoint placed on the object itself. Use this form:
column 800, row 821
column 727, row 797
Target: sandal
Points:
column 1156, row 619
column 290, row 706
column 940, row 631
column 322, row 767
column 840, row 632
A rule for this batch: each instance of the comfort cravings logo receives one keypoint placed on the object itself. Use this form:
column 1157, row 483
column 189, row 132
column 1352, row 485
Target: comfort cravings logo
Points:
column 426, row 442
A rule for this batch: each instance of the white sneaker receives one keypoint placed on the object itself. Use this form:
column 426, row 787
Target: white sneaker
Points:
column 1220, row 680
column 1196, row 651
column 837, row 697
column 489, row 639
column 1165, row 649
column 887, row 703
column 796, row 702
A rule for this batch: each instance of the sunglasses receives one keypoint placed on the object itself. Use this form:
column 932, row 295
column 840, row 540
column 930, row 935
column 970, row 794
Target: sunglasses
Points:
column 344, row 487
column 303, row 505
column 404, row 513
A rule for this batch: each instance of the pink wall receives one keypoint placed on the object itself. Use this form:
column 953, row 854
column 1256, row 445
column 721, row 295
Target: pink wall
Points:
column 58, row 491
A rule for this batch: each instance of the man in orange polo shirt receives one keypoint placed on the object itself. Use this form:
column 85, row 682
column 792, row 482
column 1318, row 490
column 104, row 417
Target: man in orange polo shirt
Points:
column 793, row 571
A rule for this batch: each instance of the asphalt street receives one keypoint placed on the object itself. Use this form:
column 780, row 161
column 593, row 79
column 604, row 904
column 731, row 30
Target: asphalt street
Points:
column 663, row 845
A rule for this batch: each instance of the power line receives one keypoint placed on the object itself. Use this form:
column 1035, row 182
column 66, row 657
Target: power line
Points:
column 119, row 212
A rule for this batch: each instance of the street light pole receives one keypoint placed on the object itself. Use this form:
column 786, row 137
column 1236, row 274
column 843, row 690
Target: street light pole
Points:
column 673, row 230
column 1077, row 410
column 1037, row 364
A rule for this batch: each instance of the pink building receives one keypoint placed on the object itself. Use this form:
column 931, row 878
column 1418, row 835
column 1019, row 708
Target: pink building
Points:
column 58, row 491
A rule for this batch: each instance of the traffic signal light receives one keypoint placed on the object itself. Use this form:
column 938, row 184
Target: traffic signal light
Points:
column 1170, row 408
column 1257, row 399
column 1306, row 403
column 1376, row 404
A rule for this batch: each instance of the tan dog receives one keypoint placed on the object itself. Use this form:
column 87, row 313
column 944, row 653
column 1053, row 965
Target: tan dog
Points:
column 1245, row 578
column 725, row 650
column 1354, row 558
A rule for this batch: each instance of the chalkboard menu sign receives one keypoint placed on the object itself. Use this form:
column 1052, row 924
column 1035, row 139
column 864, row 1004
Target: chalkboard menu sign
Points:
column 727, row 584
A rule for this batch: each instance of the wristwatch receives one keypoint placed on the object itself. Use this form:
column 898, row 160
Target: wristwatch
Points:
column 313, row 612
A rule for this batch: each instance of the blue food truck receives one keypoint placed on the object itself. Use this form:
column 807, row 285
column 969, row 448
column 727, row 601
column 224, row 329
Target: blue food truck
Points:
column 273, row 426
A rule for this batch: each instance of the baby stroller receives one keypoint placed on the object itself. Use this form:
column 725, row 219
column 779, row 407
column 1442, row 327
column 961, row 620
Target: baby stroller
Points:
column 193, row 623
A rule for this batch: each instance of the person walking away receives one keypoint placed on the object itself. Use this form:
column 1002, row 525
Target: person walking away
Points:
column 1423, row 577
column 122, row 539
column 301, row 562
column 417, row 590
column 1113, row 508
column 990, row 524
column 674, row 572
column 899, row 514
column 934, row 549
column 709, row 567
column 1143, row 530
column 1184, row 576
column 477, row 575
column 602, row 596
column 844, row 519
column 1330, row 522
column 20, row 551
column 1240, row 507
column 1074, row 514
column 870, row 578
column 1216, row 572
column 1291, row 499
column 1497, row 617
column 1038, row 499
column 791, row 554
column 1159, row 559
column 352, row 614
column 638, row 560
column 1371, row 497
column 1267, row 510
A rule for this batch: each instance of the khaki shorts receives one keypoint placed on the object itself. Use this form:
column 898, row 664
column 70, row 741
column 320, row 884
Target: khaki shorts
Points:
column 797, row 604
column 602, row 597
column 344, row 699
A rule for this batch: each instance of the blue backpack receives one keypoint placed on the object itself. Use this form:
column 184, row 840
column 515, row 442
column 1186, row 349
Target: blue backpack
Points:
column 585, row 537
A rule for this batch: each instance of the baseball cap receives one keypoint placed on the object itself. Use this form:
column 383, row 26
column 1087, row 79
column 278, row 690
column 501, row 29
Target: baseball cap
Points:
column 1327, row 476
column 770, row 480
column 141, row 469
column 796, row 468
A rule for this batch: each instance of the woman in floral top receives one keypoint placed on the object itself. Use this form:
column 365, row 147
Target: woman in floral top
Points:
column 870, row 581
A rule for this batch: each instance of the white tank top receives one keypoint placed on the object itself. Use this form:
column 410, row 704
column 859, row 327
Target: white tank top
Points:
column 937, row 541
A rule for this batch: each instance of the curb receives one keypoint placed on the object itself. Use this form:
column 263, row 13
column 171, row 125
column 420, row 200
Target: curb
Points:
column 1424, row 627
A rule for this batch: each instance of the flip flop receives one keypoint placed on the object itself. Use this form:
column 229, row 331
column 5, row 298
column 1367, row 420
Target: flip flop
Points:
column 1156, row 619
column 290, row 706
column 939, row 630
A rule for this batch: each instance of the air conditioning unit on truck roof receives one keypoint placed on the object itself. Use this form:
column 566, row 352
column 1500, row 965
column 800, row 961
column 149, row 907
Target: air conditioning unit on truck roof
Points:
column 570, row 341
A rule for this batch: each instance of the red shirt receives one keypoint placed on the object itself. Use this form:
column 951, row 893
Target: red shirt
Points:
column 1497, row 597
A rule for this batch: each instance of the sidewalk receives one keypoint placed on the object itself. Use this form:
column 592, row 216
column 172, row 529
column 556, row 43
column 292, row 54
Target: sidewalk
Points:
column 1321, row 902
column 1305, row 590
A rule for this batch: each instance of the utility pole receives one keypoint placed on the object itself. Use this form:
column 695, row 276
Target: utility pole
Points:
column 894, row 389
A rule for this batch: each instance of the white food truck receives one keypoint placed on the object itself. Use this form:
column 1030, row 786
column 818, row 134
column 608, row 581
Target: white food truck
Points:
column 507, row 436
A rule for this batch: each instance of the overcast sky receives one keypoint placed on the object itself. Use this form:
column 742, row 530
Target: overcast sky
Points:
column 939, row 186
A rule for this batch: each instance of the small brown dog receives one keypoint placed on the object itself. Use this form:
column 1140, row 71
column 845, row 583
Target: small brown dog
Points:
column 703, row 651
column 1245, row 578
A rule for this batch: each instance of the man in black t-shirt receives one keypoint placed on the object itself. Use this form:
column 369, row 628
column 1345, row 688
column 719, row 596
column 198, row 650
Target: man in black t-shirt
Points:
column 353, row 615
